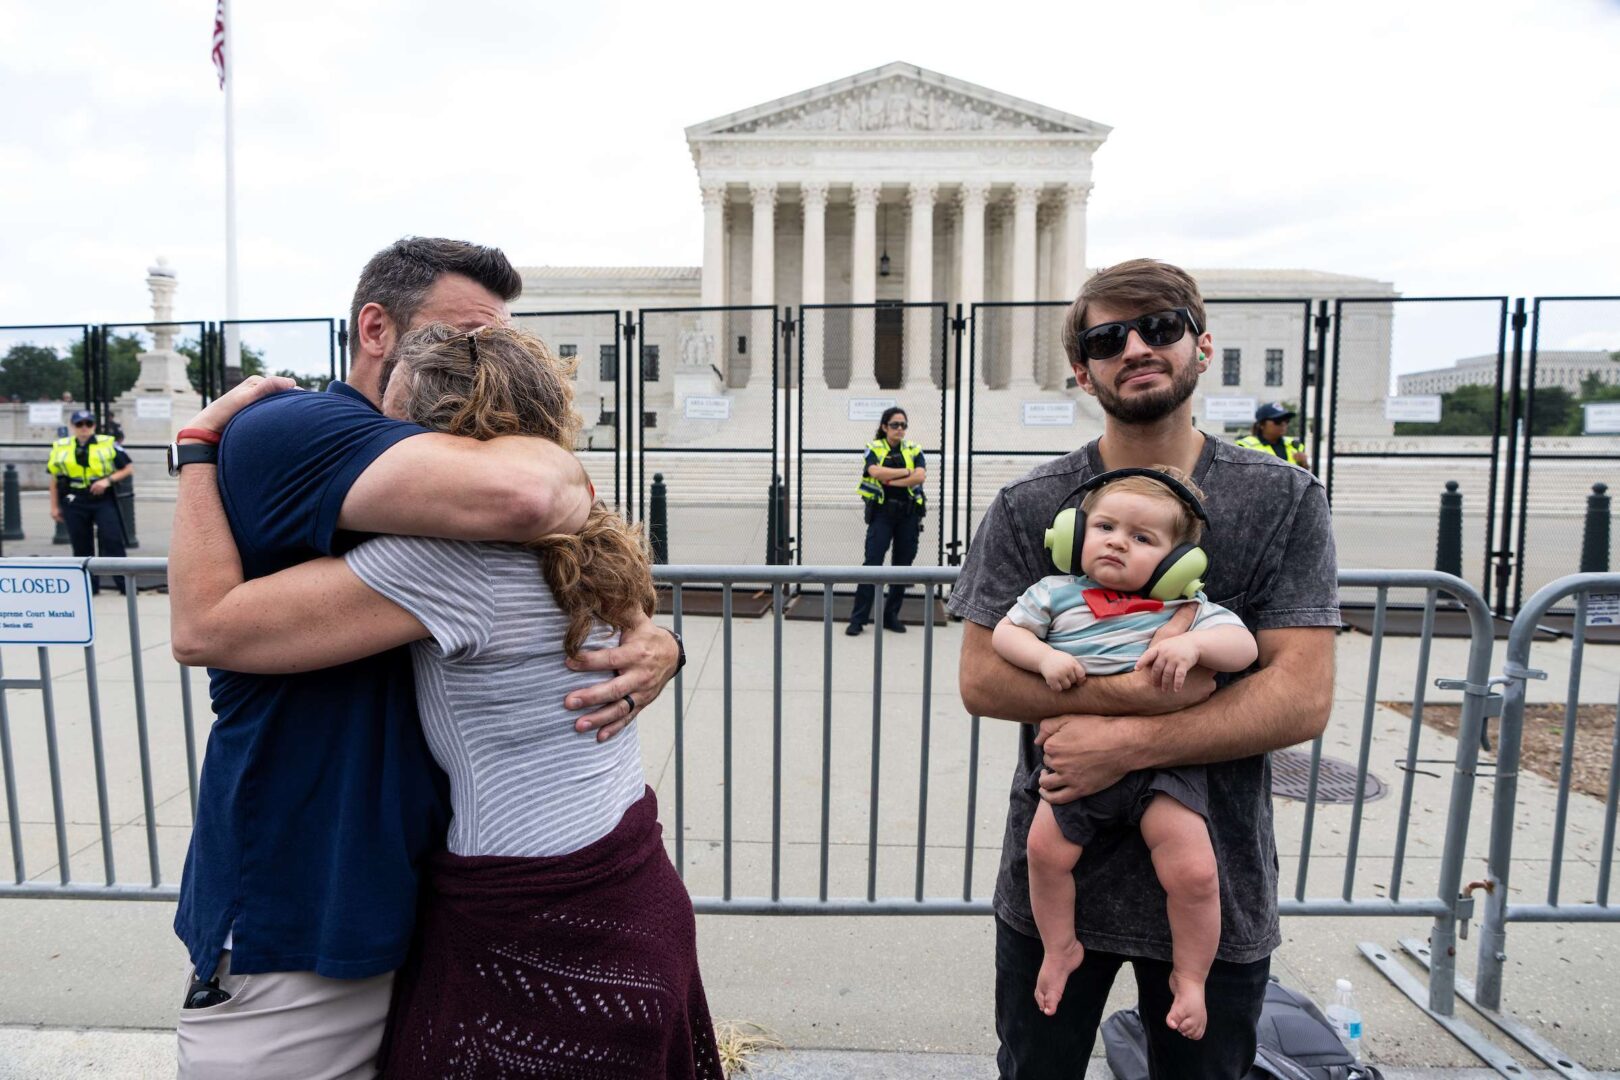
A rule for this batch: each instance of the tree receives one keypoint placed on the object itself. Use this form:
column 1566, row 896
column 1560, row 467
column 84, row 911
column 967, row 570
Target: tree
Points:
column 123, row 364
column 252, row 362
column 1556, row 412
column 37, row 373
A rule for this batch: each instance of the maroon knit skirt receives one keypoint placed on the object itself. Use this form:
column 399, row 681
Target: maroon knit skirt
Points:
column 577, row 967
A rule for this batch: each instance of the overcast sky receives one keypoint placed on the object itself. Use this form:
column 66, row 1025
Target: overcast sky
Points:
column 1449, row 148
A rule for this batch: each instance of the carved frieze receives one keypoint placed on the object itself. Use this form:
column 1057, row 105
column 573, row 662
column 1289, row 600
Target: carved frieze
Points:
column 898, row 104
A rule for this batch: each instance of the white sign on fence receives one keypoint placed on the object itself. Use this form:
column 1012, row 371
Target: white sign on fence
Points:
column 1602, row 418
column 154, row 408
column 47, row 414
column 1229, row 410
column 869, row 408
column 707, row 408
column 1048, row 414
column 44, row 603
column 1603, row 609
column 1413, row 409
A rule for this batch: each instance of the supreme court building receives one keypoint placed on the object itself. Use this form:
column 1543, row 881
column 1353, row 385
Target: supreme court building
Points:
column 862, row 202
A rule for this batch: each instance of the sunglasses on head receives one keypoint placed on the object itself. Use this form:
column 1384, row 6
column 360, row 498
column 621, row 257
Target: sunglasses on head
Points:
column 1157, row 329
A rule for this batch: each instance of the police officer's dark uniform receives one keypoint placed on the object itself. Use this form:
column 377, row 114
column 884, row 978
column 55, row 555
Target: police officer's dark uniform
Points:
column 92, row 519
column 894, row 515
column 1286, row 447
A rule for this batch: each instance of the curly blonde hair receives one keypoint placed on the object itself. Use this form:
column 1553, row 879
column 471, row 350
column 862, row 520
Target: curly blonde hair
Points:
column 497, row 381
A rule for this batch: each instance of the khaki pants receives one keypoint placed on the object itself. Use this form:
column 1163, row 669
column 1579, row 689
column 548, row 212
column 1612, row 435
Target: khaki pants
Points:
column 286, row 1025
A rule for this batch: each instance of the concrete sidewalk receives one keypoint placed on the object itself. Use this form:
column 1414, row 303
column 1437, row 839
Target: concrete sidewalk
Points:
column 916, row 992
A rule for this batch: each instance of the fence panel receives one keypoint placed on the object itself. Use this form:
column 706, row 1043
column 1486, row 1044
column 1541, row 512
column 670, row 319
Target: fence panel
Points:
column 1385, row 476
column 1571, row 436
column 594, row 339
column 38, row 364
column 307, row 350
column 1023, row 406
column 707, row 401
column 117, row 362
column 853, row 362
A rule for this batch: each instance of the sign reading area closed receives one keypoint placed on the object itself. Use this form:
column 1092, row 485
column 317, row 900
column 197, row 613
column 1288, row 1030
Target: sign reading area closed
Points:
column 44, row 603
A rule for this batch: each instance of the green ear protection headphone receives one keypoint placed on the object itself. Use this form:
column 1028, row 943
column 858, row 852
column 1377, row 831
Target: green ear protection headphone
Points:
column 1179, row 575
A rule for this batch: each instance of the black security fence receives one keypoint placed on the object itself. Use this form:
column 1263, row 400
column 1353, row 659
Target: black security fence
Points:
column 1022, row 406
column 708, row 440
column 1416, row 398
column 594, row 340
column 756, row 418
column 1566, row 405
column 854, row 362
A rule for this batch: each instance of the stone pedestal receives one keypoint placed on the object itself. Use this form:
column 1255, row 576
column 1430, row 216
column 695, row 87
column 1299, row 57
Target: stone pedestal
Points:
column 162, row 400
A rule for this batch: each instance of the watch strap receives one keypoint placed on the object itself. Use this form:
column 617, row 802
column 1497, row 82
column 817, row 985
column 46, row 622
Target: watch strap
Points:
column 680, row 648
column 195, row 454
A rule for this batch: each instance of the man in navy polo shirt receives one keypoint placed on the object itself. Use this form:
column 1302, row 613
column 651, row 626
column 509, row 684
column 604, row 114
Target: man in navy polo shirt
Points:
column 319, row 798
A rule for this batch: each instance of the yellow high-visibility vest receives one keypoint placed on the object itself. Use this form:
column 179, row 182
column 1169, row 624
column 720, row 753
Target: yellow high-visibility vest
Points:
column 1295, row 449
column 64, row 460
column 872, row 490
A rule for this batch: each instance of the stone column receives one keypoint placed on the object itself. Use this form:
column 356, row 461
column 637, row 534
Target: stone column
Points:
column 763, row 266
column 1074, row 238
column 916, row 358
column 714, row 245
column 813, row 204
column 971, row 289
column 1021, row 355
column 863, row 286
column 1046, row 278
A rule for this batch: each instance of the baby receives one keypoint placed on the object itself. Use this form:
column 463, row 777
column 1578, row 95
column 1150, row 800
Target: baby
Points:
column 1135, row 604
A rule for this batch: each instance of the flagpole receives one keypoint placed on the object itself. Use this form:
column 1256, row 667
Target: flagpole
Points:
column 232, row 358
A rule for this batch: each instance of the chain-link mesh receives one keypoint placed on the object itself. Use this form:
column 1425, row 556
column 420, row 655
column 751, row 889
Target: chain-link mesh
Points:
column 1386, row 475
column 854, row 362
column 1572, row 426
column 707, row 389
column 593, row 339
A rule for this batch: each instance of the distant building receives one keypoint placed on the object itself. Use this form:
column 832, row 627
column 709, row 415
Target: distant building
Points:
column 1568, row 368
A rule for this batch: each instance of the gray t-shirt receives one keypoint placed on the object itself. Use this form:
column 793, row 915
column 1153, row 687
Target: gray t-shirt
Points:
column 490, row 686
column 1272, row 562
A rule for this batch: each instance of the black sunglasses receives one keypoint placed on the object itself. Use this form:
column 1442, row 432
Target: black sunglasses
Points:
column 1157, row 329
column 84, row 423
column 898, row 424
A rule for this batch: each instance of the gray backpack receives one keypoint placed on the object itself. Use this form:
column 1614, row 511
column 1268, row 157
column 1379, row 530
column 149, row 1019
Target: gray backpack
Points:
column 1296, row 1043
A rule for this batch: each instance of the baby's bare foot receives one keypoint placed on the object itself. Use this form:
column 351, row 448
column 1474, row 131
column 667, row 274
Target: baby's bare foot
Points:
column 1056, row 968
column 1187, row 1014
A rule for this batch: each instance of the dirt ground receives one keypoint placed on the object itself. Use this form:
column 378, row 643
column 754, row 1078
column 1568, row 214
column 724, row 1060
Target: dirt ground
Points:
column 1542, row 748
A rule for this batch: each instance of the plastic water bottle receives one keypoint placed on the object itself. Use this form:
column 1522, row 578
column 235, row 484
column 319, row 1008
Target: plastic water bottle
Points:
column 1345, row 1017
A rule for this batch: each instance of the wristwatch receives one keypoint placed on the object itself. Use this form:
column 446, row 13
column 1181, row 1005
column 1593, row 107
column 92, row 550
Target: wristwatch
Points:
column 680, row 647
column 191, row 454
column 205, row 451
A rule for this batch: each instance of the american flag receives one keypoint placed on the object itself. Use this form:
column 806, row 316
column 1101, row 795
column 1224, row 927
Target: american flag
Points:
column 219, row 42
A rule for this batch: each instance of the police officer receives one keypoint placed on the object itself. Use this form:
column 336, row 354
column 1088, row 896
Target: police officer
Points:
column 1269, row 434
column 86, row 466
column 892, row 488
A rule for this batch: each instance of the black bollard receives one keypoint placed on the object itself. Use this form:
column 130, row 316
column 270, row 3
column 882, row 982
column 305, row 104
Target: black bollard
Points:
column 124, row 492
column 776, row 524
column 13, row 501
column 1448, row 548
column 1595, row 537
column 658, row 525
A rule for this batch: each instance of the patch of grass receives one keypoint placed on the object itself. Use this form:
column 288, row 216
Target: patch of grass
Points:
column 739, row 1041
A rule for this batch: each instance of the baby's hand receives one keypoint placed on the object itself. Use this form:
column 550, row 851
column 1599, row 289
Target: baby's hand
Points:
column 1170, row 660
column 1061, row 671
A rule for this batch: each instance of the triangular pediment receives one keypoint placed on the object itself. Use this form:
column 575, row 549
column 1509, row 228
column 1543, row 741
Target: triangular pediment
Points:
column 898, row 99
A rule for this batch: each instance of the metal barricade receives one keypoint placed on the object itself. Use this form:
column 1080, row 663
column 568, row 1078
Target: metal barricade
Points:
column 1507, row 815
column 765, row 789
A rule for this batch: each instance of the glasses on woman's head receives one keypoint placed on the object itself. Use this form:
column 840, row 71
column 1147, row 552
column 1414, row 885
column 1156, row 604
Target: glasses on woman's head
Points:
column 896, row 425
column 1107, row 340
